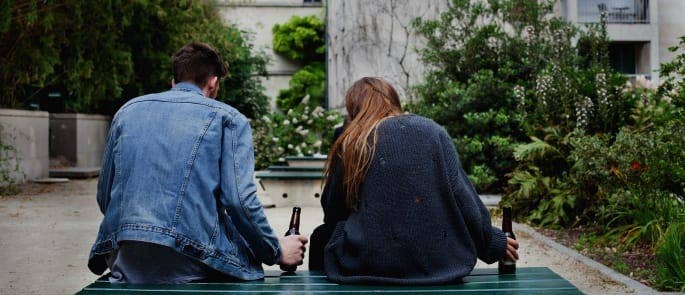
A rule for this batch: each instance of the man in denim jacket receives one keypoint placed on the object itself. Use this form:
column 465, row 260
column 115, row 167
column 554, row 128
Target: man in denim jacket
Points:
column 176, row 187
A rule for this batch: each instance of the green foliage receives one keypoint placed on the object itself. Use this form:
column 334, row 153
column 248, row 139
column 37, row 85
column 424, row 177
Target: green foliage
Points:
column 671, row 259
column 494, row 83
column 163, row 26
column 29, row 47
column 9, row 163
column 301, row 125
column 672, row 73
column 629, row 184
column 94, row 60
column 301, row 39
column 99, row 54
column 302, row 131
column 309, row 81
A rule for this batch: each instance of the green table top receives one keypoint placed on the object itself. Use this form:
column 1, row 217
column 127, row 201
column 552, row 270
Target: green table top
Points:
column 291, row 168
column 528, row 280
column 316, row 175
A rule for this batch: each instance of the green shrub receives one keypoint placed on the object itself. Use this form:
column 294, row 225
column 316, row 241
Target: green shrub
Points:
column 309, row 81
column 670, row 256
column 99, row 54
column 301, row 131
column 672, row 73
column 301, row 39
column 301, row 125
column 493, row 84
column 9, row 163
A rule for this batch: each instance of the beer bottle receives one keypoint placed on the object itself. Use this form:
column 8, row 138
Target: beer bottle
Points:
column 293, row 229
column 506, row 264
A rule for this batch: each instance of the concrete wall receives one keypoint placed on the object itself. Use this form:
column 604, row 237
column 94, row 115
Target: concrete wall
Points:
column 671, row 26
column 259, row 17
column 27, row 131
column 79, row 138
column 375, row 38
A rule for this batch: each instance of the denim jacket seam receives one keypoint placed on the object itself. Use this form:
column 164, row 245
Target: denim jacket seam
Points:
column 168, row 232
column 215, row 231
column 240, row 198
column 189, row 167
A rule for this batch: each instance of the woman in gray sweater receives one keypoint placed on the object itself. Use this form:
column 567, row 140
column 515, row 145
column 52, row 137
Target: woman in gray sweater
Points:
column 398, row 207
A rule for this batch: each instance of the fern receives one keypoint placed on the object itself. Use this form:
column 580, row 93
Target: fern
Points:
column 535, row 151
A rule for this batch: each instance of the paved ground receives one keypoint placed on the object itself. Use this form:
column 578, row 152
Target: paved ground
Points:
column 46, row 232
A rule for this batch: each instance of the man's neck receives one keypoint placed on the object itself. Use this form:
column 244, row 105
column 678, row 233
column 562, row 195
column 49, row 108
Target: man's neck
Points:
column 190, row 86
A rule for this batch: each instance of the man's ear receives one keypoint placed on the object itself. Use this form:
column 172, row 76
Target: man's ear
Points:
column 212, row 87
column 173, row 82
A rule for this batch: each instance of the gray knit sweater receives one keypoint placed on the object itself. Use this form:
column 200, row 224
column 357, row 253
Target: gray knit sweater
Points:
column 419, row 219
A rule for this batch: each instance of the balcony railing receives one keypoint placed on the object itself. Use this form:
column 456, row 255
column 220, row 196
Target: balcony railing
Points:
column 617, row 11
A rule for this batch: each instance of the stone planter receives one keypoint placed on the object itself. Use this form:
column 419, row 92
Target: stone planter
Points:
column 28, row 132
column 78, row 138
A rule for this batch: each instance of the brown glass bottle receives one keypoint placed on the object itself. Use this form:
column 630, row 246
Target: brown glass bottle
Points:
column 293, row 229
column 506, row 264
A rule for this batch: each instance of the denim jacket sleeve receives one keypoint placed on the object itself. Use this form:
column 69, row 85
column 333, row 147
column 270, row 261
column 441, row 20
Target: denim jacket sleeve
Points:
column 239, row 193
column 107, row 170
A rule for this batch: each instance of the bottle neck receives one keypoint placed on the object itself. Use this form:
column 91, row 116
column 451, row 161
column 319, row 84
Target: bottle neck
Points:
column 295, row 219
column 506, row 219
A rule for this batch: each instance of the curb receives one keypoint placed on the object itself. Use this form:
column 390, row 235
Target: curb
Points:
column 638, row 287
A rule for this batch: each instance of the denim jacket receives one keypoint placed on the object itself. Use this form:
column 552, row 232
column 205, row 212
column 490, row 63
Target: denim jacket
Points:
column 177, row 171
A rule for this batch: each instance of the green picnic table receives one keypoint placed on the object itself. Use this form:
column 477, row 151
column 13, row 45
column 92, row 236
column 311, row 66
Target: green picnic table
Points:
column 527, row 280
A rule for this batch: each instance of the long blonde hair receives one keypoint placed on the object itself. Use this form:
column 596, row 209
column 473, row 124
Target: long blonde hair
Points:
column 368, row 102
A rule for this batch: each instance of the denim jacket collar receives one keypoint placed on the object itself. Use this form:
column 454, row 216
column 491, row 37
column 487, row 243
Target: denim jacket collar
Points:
column 189, row 87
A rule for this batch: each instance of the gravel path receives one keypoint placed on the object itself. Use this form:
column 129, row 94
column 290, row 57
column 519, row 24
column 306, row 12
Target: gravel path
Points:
column 47, row 231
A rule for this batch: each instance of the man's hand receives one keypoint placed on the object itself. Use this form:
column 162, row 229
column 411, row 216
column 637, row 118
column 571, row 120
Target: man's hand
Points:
column 292, row 249
column 512, row 247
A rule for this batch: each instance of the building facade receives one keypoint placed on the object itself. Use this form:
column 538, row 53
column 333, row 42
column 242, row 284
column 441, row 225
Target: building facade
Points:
column 641, row 31
column 376, row 38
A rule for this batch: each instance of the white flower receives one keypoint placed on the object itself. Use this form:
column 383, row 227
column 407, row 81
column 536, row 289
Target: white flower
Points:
column 281, row 159
column 280, row 149
column 290, row 112
column 310, row 121
column 295, row 121
column 286, row 122
column 266, row 119
column 305, row 99
column 336, row 126
column 304, row 117
column 318, row 111
column 275, row 139
column 290, row 146
column 317, row 143
column 331, row 118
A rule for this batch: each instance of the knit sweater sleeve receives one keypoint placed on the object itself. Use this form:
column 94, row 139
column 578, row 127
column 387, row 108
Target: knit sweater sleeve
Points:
column 490, row 242
column 333, row 197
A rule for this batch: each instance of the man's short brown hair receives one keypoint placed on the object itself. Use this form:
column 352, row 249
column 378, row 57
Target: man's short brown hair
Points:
column 197, row 62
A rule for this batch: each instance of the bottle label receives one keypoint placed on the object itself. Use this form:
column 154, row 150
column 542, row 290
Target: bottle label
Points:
column 508, row 262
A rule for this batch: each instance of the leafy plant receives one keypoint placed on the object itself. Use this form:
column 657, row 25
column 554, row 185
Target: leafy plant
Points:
column 9, row 163
column 671, row 258
column 99, row 54
column 673, row 86
column 301, row 39
column 309, row 81
column 302, row 131
column 495, row 83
